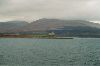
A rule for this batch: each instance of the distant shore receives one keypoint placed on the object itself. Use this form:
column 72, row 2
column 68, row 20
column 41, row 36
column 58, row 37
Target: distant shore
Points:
column 43, row 36
column 33, row 36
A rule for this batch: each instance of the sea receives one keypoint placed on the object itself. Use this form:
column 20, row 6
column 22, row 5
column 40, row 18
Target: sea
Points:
column 49, row 52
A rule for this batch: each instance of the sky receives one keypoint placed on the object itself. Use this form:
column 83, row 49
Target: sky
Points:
column 30, row 10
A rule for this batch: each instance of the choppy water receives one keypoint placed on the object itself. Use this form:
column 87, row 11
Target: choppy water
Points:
column 49, row 52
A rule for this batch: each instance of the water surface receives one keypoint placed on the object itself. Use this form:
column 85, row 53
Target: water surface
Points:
column 49, row 52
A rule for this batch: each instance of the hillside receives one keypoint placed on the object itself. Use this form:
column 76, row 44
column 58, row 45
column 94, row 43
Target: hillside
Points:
column 63, row 27
column 56, row 24
column 48, row 24
column 11, row 26
column 60, row 27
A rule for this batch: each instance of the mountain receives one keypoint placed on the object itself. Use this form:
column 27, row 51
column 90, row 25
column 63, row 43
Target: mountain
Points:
column 56, row 24
column 49, row 24
column 60, row 27
column 11, row 26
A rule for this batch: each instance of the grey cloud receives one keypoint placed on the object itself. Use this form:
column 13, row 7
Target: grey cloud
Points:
column 63, row 9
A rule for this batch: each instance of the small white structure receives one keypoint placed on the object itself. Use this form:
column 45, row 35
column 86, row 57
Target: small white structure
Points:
column 52, row 34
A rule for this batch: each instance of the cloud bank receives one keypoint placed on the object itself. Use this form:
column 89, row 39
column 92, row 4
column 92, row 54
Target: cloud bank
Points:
column 30, row 10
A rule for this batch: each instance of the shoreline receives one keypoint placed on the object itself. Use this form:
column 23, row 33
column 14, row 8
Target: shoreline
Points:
column 44, row 36
column 51, row 38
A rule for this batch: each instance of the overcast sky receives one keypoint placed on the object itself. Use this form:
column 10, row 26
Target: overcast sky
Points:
column 30, row 10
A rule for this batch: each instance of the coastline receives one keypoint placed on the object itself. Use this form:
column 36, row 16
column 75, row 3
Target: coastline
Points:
column 44, row 36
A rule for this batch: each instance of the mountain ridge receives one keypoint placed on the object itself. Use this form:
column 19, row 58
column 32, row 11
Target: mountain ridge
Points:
column 60, row 27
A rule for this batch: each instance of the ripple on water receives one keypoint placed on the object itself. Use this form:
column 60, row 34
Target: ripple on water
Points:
column 49, row 52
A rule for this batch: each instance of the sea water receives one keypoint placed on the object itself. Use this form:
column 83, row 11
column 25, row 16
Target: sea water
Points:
column 49, row 52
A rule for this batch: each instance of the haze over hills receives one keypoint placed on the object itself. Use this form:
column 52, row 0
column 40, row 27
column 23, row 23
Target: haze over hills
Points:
column 61, row 27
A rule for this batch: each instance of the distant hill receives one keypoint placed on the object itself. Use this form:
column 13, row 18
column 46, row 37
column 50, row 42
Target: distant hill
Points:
column 11, row 26
column 60, row 27
column 56, row 24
